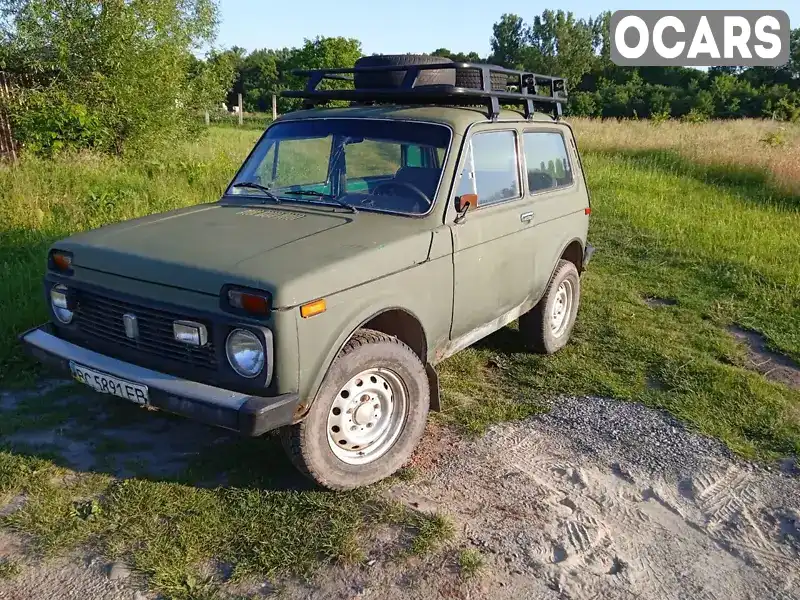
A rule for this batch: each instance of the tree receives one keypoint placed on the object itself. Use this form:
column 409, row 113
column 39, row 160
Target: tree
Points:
column 458, row 56
column 508, row 41
column 111, row 75
column 323, row 53
column 260, row 78
column 560, row 45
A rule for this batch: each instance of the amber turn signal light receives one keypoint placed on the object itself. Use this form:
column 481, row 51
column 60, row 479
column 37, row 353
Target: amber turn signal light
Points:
column 60, row 261
column 313, row 308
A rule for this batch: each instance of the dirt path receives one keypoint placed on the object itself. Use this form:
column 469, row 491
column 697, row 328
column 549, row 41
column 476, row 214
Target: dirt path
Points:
column 597, row 499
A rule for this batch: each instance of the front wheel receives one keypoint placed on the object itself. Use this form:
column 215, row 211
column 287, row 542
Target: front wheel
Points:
column 546, row 328
column 368, row 416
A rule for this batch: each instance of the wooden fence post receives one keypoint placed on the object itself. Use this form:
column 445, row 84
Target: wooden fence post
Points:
column 274, row 106
column 208, row 119
column 241, row 115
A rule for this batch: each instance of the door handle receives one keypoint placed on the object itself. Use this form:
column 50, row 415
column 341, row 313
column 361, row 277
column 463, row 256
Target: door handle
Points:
column 526, row 217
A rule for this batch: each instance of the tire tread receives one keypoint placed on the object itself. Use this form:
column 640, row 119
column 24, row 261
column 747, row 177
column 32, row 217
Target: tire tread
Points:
column 292, row 436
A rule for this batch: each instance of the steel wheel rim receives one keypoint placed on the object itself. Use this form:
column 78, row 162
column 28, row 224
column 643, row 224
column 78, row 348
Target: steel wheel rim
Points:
column 562, row 307
column 367, row 416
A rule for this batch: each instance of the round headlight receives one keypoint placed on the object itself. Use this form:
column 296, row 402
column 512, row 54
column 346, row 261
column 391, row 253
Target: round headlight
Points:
column 58, row 300
column 245, row 353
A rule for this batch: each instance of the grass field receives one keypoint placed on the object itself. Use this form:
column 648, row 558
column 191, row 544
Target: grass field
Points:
column 705, row 216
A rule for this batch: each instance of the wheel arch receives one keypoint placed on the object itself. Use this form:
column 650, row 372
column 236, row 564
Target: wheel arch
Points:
column 573, row 252
column 395, row 321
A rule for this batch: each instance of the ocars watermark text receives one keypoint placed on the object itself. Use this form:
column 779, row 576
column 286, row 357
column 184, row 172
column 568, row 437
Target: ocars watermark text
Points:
column 700, row 37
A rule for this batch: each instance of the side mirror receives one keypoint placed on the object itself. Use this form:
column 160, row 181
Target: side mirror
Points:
column 464, row 203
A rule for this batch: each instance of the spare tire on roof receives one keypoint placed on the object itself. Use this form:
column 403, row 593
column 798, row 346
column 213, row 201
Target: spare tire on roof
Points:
column 394, row 79
column 471, row 78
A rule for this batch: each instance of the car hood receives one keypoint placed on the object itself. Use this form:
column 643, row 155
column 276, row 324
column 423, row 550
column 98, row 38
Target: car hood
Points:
column 296, row 253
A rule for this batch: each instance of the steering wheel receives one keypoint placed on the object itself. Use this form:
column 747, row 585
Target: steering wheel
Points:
column 402, row 184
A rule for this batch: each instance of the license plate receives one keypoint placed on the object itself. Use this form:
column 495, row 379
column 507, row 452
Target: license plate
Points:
column 108, row 384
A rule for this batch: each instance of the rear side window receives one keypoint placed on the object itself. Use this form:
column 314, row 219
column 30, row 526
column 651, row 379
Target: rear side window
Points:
column 547, row 161
column 491, row 168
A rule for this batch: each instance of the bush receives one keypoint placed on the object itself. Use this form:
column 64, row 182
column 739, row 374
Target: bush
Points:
column 694, row 116
column 48, row 121
column 657, row 118
column 123, row 76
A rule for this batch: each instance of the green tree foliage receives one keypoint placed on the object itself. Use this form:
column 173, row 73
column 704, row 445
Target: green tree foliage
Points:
column 509, row 41
column 264, row 72
column 560, row 44
column 112, row 74
column 557, row 43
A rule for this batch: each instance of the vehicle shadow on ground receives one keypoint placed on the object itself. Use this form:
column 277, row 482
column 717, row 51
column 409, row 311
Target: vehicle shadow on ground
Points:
column 749, row 184
column 505, row 341
column 86, row 431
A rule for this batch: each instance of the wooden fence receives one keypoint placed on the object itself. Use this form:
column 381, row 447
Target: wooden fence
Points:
column 8, row 148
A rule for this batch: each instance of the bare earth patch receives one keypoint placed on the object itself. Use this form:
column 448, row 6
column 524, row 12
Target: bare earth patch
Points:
column 774, row 366
column 71, row 578
column 655, row 301
column 598, row 499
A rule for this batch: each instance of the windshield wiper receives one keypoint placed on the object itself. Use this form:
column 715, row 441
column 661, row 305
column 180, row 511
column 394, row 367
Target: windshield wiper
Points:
column 257, row 186
column 317, row 194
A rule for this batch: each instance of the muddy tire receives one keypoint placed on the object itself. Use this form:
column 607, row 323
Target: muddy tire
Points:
column 546, row 328
column 368, row 416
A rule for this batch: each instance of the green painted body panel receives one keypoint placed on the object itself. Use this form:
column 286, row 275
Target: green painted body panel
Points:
column 454, row 278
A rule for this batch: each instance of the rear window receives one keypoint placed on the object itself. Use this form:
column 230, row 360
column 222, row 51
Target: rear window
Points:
column 547, row 161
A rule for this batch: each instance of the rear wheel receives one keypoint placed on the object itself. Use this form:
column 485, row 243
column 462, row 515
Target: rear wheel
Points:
column 546, row 328
column 368, row 416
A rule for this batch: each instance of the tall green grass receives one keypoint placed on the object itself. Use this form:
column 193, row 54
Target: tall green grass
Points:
column 725, row 249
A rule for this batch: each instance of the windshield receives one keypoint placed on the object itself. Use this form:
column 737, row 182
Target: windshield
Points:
column 361, row 163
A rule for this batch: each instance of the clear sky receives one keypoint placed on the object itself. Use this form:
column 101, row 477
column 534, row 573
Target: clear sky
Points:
column 400, row 26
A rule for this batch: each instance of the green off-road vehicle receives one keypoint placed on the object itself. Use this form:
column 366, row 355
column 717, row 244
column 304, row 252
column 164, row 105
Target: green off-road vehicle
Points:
column 356, row 248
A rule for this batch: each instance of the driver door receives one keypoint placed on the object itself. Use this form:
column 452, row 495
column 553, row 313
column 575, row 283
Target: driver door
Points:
column 493, row 258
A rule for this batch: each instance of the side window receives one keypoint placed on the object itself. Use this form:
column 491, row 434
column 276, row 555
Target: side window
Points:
column 413, row 157
column 426, row 157
column 491, row 168
column 372, row 158
column 547, row 161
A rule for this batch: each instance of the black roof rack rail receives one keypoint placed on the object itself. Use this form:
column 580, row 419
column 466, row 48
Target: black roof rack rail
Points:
column 526, row 89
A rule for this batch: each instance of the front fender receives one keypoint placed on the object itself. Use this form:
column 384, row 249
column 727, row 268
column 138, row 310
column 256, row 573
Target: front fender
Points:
column 424, row 291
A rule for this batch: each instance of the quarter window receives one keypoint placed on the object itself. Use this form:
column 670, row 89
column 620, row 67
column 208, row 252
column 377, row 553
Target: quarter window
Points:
column 547, row 161
column 491, row 168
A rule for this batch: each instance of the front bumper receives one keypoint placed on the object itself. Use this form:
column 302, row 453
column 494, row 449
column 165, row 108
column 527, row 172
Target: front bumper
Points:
column 248, row 415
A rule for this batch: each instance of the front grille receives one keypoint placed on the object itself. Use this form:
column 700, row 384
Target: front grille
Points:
column 99, row 318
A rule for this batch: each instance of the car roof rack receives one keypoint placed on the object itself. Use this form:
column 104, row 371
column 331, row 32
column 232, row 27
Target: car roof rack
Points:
column 526, row 88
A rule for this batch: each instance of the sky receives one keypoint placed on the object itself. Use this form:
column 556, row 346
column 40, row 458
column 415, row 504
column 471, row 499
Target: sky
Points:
column 412, row 26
